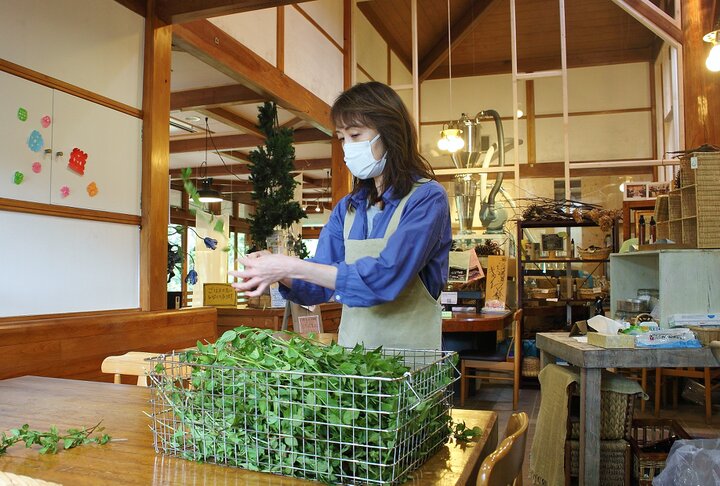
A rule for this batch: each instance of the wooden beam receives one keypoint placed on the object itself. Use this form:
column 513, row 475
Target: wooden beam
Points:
column 180, row 11
column 155, row 197
column 212, row 45
column 459, row 31
column 244, row 169
column 586, row 59
column 341, row 180
column 652, row 17
column 556, row 170
column 232, row 119
column 280, row 39
column 195, row 99
column 392, row 41
column 223, row 142
column 530, row 120
column 137, row 6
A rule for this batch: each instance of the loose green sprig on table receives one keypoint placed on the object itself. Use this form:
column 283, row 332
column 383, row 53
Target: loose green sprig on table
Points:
column 461, row 432
column 50, row 441
column 281, row 403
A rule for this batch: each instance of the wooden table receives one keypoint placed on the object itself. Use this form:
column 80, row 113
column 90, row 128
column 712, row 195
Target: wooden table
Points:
column 592, row 360
column 42, row 402
column 476, row 322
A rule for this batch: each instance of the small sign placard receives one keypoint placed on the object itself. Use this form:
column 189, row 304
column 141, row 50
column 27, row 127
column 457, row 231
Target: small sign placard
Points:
column 219, row 295
column 308, row 324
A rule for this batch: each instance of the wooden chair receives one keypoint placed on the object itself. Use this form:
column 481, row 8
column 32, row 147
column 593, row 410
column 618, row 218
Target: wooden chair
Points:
column 503, row 466
column 131, row 363
column 493, row 366
column 705, row 374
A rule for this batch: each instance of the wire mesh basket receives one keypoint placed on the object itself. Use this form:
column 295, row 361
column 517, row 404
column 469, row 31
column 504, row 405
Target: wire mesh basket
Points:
column 334, row 428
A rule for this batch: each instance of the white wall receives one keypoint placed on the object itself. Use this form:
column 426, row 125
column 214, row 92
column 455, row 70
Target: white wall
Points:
column 56, row 265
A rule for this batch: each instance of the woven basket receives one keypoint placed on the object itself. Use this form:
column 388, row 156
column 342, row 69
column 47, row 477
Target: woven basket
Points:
column 614, row 461
column 689, row 232
column 662, row 230
column 707, row 197
column 589, row 294
column 687, row 202
column 687, row 174
column 644, row 433
column 674, row 205
column 616, row 413
column 661, row 208
column 706, row 334
column 530, row 366
column 542, row 293
column 595, row 253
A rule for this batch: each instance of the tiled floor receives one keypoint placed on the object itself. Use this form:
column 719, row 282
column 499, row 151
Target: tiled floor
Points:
column 499, row 399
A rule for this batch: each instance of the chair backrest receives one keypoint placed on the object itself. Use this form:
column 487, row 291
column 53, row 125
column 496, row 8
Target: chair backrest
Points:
column 504, row 465
column 131, row 363
column 516, row 342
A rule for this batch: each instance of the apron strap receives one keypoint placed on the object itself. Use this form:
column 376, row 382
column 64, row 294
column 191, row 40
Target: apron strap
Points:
column 394, row 221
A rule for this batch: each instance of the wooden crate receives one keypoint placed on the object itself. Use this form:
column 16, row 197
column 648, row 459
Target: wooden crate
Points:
column 649, row 461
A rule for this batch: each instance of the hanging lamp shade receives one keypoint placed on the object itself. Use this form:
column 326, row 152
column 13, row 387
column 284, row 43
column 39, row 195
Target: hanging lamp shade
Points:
column 206, row 193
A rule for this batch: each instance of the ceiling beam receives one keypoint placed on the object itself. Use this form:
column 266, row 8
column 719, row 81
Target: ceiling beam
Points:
column 652, row 17
column 556, row 170
column 195, row 99
column 224, row 142
column 585, row 59
column 216, row 48
column 459, row 31
column 232, row 119
column 244, row 169
column 178, row 11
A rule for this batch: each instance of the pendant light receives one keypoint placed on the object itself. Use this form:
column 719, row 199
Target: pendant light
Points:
column 450, row 136
column 206, row 193
column 713, row 60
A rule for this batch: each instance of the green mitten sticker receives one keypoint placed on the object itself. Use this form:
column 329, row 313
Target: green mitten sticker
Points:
column 22, row 114
column 18, row 177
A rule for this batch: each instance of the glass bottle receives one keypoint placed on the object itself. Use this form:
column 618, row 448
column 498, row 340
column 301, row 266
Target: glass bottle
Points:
column 653, row 230
column 641, row 230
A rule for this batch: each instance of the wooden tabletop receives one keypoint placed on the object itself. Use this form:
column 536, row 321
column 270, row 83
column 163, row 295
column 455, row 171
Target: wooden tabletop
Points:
column 476, row 321
column 43, row 402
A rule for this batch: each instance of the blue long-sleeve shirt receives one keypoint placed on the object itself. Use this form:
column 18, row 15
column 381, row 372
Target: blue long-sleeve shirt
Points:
column 419, row 246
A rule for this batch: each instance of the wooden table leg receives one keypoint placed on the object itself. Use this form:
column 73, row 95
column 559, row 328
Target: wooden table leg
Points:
column 590, row 426
column 546, row 358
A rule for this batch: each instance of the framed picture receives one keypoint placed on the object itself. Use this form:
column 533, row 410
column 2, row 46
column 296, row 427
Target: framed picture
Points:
column 656, row 189
column 551, row 242
column 636, row 190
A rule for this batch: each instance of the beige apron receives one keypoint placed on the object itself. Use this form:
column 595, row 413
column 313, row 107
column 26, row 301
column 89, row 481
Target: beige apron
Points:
column 411, row 321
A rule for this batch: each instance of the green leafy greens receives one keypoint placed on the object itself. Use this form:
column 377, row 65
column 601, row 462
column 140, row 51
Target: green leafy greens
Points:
column 50, row 441
column 281, row 403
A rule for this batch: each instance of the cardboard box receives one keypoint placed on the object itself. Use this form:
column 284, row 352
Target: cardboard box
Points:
column 611, row 340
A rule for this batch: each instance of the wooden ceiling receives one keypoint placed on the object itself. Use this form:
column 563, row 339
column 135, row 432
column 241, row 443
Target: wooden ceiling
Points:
column 598, row 33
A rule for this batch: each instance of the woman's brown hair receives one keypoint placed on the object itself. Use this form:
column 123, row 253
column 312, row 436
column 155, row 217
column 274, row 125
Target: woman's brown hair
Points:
column 378, row 106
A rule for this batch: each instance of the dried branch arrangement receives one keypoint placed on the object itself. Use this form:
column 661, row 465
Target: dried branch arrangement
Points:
column 546, row 209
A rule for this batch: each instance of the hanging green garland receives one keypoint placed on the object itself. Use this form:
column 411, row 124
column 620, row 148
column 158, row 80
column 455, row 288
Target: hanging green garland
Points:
column 271, row 169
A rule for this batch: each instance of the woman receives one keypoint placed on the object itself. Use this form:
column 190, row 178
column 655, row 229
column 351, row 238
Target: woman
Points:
column 384, row 252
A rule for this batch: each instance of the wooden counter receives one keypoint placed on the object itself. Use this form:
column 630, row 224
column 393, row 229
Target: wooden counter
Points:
column 271, row 318
column 42, row 402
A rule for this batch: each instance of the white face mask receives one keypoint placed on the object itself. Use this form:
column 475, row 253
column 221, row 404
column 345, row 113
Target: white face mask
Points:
column 360, row 160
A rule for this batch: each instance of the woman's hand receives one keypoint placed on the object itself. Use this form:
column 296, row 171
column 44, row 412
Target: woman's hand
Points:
column 261, row 269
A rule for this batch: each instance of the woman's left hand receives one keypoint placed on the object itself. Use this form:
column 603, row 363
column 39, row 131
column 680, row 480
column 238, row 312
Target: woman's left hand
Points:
column 261, row 270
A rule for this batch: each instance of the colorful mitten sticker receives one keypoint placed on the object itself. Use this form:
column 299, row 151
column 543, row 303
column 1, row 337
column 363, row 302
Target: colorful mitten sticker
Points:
column 37, row 167
column 45, row 121
column 18, row 177
column 78, row 158
column 92, row 189
column 64, row 191
column 35, row 141
column 22, row 114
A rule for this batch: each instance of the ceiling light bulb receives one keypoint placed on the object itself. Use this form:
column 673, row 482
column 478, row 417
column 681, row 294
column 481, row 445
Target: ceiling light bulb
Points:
column 443, row 142
column 520, row 113
column 622, row 187
column 317, row 208
column 713, row 60
column 456, row 144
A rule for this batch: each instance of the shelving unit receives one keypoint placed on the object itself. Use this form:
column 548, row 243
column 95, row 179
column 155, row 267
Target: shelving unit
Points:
column 680, row 292
column 693, row 216
column 569, row 269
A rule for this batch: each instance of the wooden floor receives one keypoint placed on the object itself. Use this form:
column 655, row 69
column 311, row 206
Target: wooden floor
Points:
column 499, row 399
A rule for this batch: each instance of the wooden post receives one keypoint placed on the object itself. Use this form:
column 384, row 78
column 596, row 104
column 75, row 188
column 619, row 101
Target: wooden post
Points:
column 155, row 162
